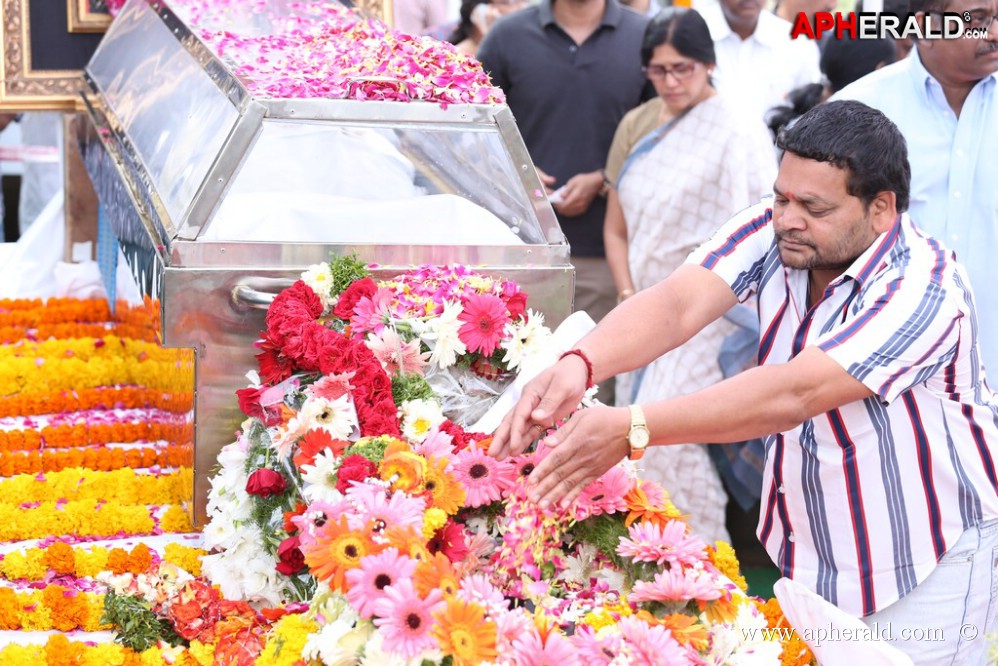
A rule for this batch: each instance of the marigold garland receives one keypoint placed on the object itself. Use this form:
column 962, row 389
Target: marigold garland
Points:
column 60, row 651
column 54, row 608
column 87, row 518
column 78, row 484
column 87, row 434
column 32, row 313
column 60, row 558
column 85, row 349
column 102, row 397
column 103, row 459
column 19, row 375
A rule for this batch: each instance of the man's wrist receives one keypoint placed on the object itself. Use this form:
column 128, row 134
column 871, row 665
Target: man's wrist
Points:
column 581, row 356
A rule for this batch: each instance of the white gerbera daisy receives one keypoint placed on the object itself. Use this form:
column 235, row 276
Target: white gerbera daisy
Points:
column 419, row 417
column 320, row 278
column 337, row 417
column 525, row 341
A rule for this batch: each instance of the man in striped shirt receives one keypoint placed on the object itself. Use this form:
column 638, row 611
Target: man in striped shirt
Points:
column 880, row 489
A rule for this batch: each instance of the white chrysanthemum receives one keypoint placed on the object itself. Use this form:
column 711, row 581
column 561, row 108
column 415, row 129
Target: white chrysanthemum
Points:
column 320, row 278
column 743, row 642
column 375, row 655
column 525, row 341
column 419, row 417
column 441, row 335
column 320, row 478
column 579, row 568
column 337, row 417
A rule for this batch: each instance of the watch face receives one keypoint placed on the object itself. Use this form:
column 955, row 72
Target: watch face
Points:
column 639, row 438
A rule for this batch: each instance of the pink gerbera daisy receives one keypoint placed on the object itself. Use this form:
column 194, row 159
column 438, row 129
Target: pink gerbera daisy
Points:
column 532, row 650
column 372, row 505
column 484, row 478
column 476, row 588
column 371, row 314
column 367, row 583
column 396, row 355
column 485, row 317
column 405, row 619
column 678, row 585
column 593, row 650
column 650, row 542
column 436, row 444
column 604, row 495
column 651, row 646
column 311, row 521
column 510, row 626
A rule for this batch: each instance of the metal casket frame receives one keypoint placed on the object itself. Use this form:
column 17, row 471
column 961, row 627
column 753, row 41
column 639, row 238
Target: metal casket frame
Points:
column 168, row 132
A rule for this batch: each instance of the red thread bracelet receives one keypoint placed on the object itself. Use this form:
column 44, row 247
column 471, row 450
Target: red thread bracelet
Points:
column 585, row 359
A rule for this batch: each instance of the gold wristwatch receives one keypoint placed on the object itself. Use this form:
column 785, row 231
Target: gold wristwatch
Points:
column 638, row 435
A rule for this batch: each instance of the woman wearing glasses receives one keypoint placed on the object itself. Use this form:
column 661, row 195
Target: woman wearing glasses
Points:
column 679, row 166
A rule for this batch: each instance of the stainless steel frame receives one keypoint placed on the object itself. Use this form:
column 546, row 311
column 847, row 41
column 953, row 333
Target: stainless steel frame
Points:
column 213, row 293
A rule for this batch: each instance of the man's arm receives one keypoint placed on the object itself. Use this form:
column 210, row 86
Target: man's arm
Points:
column 757, row 402
column 636, row 332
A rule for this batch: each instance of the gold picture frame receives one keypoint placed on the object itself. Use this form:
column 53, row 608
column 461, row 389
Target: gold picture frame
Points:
column 24, row 86
column 82, row 17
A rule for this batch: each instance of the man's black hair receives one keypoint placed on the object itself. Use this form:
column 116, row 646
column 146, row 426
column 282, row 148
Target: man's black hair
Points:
column 683, row 29
column 853, row 136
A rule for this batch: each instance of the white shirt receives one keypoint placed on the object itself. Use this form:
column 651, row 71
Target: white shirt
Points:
column 954, row 171
column 859, row 503
column 759, row 72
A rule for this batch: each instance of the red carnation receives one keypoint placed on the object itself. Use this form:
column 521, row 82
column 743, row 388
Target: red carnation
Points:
column 275, row 367
column 353, row 468
column 291, row 559
column 265, row 482
column 292, row 308
column 516, row 304
column 359, row 289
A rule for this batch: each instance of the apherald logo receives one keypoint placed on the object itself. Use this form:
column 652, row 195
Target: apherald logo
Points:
column 865, row 25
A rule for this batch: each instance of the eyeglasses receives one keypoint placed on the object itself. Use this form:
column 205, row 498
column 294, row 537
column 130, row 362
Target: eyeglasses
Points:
column 979, row 19
column 975, row 19
column 681, row 71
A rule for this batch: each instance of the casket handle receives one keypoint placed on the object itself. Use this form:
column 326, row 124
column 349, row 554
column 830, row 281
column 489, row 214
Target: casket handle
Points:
column 259, row 296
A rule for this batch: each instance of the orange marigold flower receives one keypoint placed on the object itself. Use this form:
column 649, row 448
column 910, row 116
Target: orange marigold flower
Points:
column 117, row 561
column 10, row 610
column 60, row 558
column 405, row 469
column 462, row 631
column 139, row 559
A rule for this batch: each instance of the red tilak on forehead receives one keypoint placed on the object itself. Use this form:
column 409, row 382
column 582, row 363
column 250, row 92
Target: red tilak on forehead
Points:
column 790, row 196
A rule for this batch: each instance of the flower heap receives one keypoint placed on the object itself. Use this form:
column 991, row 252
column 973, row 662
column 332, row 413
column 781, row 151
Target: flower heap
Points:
column 412, row 545
column 325, row 50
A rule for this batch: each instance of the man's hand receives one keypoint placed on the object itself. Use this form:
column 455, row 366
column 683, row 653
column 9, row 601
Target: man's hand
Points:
column 547, row 398
column 579, row 192
column 546, row 180
column 591, row 442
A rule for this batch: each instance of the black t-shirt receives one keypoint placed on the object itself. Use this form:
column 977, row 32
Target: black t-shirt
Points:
column 568, row 99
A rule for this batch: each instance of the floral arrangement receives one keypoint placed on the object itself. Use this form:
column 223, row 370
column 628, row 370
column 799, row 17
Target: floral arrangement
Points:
column 364, row 526
column 323, row 49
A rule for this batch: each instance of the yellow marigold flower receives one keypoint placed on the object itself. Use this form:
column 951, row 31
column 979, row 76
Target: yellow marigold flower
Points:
column 176, row 520
column 722, row 556
column 621, row 608
column 27, row 565
column 184, row 557
column 286, row 641
column 22, row 654
column 433, row 520
column 107, row 654
column 89, row 564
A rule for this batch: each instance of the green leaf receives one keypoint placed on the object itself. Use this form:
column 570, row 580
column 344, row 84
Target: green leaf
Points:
column 346, row 270
column 139, row 628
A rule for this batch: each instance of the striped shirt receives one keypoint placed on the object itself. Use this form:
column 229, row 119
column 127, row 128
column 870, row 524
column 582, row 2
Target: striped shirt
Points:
column 860, row 503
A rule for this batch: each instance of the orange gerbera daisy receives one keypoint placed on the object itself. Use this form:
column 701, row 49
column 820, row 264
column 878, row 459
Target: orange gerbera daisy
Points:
column 641, row 507
column 685, row 628
column 445, row 491
column 408, row 541
column 462, row 631
column 338, row 549
column 436, row 573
